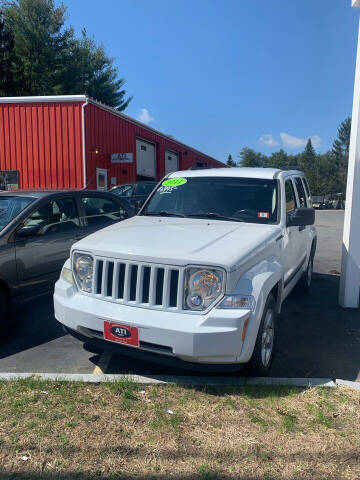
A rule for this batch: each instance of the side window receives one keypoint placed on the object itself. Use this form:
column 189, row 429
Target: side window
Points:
column 144, row 188
column 301, row 192
column 289, row 196
column 307, row 189
column 57, row 216
column 101, row 211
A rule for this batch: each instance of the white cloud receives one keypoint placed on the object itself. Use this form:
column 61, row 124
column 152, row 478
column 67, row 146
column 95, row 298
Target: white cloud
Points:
column 268, row 140
column 144, row 116
column 289, row 141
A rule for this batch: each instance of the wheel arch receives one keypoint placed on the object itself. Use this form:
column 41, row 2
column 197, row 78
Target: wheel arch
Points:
column 260, row 281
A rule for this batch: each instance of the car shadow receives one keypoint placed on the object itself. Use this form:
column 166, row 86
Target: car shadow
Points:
column 316, row 338
column 30, row 325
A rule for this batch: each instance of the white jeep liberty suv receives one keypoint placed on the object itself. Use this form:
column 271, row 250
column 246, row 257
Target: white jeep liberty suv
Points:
column 199, row 275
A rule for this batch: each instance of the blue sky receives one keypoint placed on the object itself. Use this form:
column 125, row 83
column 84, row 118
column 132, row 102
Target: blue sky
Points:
column 220, row 75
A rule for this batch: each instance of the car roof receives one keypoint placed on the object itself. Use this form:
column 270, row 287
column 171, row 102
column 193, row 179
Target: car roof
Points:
column 43, row 193
column 135, row 183
column 240, row 172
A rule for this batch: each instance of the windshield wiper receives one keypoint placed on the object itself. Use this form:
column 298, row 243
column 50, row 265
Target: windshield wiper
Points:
column 164, row 213
column 214, row 215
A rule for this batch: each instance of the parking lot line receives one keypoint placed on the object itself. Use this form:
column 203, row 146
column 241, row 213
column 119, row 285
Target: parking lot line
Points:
column 103, row 363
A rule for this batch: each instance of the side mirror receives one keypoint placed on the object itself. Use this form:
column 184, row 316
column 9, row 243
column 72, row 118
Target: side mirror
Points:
column 301, row 217
column 28, row 231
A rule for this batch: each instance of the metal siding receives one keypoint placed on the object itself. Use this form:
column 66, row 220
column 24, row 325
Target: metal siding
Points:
column 112, row 134
column 42, row 140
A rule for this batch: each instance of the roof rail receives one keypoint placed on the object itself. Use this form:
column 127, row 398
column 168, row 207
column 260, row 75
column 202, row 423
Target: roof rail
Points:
column 197, row 168
column 291, row 167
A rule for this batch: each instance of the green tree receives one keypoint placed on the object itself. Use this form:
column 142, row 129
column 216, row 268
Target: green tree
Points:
column 39, row 40
column 89, row 70
column 8, row 84
column 278, row 159
column 250, row 158
column 340, row 151
column 49, row 59
column 341, row 144
column 230, row 162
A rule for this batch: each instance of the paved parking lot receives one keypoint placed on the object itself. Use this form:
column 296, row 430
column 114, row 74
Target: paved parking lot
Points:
column 317, row 338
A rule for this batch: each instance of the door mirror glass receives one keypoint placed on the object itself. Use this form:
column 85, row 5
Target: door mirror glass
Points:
column 301, row 217
column 28, row 231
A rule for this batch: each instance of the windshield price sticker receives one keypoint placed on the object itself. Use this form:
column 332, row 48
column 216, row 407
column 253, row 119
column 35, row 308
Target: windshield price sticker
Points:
column 263, row 215
column 174, row 182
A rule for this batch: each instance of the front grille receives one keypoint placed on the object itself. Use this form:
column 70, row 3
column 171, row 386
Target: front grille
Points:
column 141, row 284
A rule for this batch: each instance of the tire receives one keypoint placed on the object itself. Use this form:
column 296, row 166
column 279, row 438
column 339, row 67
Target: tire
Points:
column 262, row 357
column 306, row 278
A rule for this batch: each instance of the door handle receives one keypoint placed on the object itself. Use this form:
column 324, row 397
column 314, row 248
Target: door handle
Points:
column 301, row 228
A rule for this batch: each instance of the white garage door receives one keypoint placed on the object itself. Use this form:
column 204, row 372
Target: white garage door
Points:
column 145, row 159
column 171, row 161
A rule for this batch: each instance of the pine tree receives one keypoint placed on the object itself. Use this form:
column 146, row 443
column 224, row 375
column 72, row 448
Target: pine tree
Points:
column 39, row 40
column 88, row 70
column 341, row 145
column 7, row 79
column 340, row 151
column 278, row 159
column 250, row 158
column 230, row 162
column 49, row 59
column 309, row 163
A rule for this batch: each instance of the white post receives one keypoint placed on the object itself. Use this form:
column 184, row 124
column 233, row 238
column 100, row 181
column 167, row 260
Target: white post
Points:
column 350, row 262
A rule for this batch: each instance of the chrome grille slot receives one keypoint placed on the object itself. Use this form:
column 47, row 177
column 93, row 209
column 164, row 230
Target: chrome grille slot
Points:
column 135, row 283
column 146, row 285
column 174, row 278
column 159, row 286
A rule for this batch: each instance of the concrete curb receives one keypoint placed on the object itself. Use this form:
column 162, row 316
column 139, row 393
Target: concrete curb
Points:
column 347, row 383
column 181, row 380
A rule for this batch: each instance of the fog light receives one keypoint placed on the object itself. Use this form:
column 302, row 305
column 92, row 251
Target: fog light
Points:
column 195, row 300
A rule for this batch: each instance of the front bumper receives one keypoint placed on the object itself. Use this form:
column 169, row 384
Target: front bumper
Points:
column 213, row 338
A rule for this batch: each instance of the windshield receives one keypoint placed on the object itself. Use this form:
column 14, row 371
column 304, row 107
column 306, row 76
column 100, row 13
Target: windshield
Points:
column 221, row 198
column 10, row 207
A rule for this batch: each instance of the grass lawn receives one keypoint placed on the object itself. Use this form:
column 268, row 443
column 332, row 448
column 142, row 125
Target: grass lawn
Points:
column 59, row 430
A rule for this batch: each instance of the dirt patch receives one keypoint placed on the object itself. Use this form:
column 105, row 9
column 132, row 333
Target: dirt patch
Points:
column 126, row 431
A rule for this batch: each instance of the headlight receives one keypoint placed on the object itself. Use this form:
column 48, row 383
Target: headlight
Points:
column 83, row 271
column 202, row 287
column 243, row 302
column 67, row 275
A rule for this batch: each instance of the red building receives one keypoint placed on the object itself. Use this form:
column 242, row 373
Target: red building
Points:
column 62, row 142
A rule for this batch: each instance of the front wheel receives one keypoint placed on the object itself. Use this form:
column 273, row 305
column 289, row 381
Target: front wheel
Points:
column 263, row 353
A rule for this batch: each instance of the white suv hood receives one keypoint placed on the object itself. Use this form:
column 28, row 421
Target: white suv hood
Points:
column 179, row 241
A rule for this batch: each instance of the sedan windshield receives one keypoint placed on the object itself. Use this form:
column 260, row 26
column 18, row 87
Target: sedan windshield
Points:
column 216, row 198
column 10, row 207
